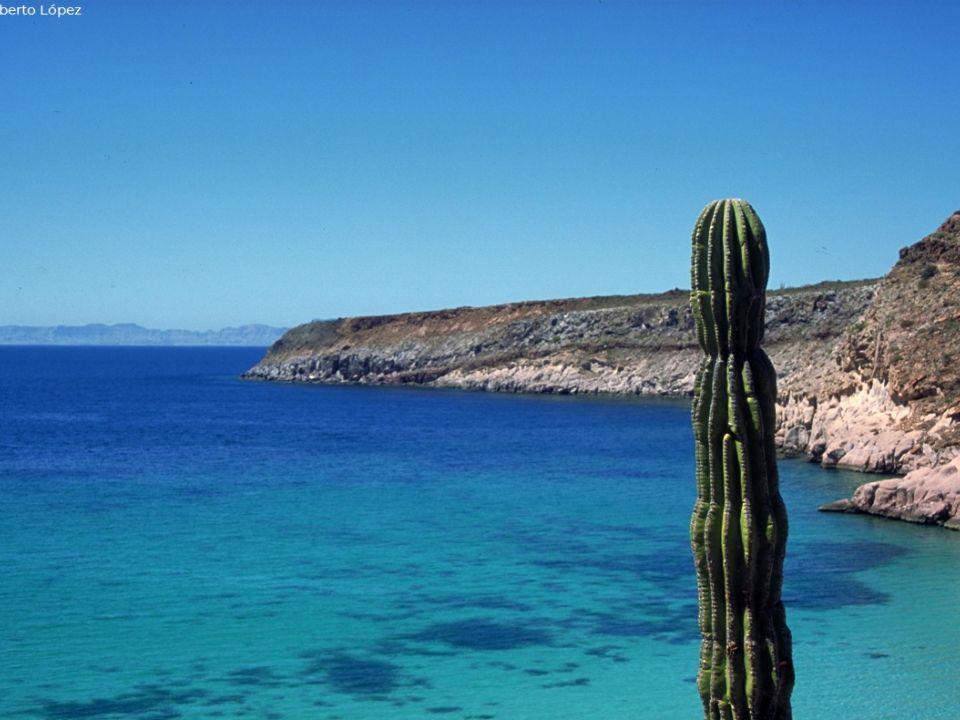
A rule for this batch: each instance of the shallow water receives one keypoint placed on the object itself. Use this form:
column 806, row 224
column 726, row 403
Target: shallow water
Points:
column 177, row 543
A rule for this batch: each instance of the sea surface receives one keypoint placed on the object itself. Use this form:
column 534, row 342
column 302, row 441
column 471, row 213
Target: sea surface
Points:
column 178, row 543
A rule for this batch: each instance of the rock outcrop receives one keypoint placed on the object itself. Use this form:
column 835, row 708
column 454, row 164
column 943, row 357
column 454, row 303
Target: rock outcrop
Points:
column 930, row 496
column 642, row 344
column 890, row 399
column 869, row 371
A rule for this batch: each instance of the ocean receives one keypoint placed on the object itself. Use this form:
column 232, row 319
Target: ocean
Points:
column 178, row 543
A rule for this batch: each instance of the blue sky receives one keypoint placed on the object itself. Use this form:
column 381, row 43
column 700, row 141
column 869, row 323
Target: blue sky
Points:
column 202, row 164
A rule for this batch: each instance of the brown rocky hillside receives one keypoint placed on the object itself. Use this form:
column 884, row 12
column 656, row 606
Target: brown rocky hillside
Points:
column 910, row 336
column 890, row 400
column 639, row 344
column 907, row 351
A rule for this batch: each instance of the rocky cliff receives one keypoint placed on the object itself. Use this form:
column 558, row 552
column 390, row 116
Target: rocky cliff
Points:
column 869, row 371
column 890, row 399
column 641, row 344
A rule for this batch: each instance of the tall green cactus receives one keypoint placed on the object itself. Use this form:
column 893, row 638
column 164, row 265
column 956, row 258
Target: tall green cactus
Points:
column 739, row 526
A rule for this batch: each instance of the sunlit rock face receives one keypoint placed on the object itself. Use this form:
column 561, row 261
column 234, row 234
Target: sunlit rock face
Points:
column 889, row 400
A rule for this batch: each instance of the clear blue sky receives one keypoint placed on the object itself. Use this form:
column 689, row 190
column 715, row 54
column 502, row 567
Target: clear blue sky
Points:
column 202, row 164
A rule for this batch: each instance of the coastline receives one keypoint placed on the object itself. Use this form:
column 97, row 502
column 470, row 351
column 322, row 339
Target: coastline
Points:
column 868, row 371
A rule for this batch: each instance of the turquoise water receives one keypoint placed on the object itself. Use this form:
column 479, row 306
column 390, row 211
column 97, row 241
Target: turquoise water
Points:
column 177, row 543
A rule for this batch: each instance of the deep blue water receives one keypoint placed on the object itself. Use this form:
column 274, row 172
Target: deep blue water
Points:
column 178, row 543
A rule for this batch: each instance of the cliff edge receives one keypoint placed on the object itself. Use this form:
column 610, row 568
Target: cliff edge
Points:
column 891, row 401
column 638, row 344
column 869, row 371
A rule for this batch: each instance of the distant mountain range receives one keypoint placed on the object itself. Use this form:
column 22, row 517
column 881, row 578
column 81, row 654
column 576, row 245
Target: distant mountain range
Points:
column 131, row 334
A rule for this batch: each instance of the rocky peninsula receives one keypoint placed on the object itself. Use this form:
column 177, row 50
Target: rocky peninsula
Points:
column 868, row 370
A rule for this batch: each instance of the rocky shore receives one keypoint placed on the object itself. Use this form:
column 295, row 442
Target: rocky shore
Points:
column 868, row 376
column 890, row 401
column 928, row 496
column 641, row 344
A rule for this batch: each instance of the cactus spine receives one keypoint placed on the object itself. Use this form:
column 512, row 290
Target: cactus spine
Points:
column 739, row 526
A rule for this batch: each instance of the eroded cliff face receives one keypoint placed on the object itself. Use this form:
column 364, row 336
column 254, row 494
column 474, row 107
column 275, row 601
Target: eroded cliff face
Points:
column 889, row 400
column 635, row 344
column 565, row 346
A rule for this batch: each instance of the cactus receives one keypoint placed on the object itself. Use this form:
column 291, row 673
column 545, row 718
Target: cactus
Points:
column 738, row 530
